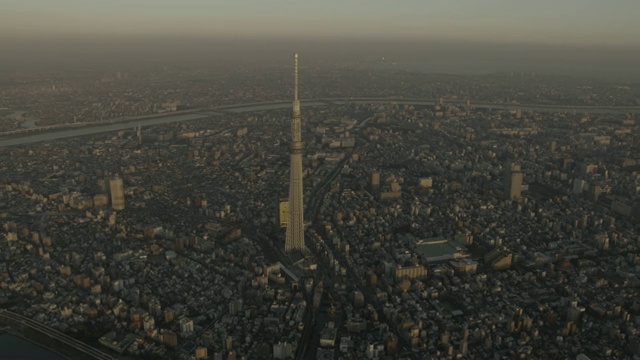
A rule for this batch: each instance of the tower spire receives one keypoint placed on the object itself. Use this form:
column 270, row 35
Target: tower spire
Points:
column 295, row 77
column 296, row 101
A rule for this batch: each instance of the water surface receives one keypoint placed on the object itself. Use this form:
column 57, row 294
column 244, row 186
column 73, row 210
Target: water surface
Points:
column 15, row 347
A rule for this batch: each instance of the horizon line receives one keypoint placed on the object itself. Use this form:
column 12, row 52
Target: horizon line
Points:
column 310, row 39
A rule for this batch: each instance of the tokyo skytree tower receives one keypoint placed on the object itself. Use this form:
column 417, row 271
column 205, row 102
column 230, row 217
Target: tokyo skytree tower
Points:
column 295, row 222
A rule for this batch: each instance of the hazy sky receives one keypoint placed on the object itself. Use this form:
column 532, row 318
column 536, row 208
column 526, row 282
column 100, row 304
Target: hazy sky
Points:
column 585, row 22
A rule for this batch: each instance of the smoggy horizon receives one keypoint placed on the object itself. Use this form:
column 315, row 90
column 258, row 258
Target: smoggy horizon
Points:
column 434, row 56
column 595, row 38
column 570, row 22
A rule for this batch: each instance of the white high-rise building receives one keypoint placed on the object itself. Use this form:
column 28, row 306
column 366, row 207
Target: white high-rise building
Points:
column 512, row 182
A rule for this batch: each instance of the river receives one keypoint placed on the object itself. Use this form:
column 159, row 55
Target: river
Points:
column 14, row 347
column 96, row 129
column 242, row 108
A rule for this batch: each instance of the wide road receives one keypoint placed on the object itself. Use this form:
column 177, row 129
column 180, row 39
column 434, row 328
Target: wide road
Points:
column 34, row 135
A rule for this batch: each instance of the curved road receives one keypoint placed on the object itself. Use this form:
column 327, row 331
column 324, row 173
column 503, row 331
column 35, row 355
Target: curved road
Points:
column 55, row 132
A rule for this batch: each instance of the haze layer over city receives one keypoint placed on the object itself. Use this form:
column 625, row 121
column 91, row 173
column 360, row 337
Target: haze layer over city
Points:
column 319, row 179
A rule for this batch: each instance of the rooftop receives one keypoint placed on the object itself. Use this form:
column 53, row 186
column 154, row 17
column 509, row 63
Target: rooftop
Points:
column 438, row 248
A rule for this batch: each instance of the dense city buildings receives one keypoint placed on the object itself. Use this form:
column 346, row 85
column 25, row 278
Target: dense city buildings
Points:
column 436, row 228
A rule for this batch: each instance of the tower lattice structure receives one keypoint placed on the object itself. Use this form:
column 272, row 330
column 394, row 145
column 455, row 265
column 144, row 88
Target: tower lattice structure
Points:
column 295, row 226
